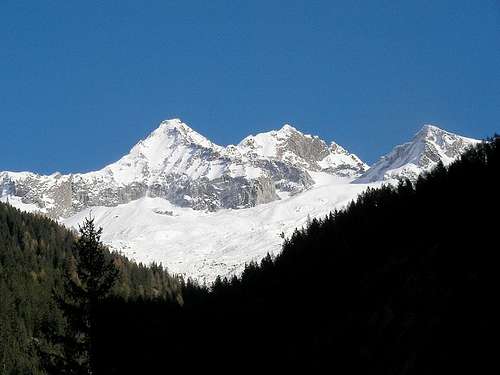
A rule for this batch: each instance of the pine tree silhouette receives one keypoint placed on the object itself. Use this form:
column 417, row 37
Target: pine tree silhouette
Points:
column 88, row 280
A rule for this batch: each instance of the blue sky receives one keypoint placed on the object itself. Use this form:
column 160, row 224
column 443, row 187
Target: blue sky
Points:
column 81, row 82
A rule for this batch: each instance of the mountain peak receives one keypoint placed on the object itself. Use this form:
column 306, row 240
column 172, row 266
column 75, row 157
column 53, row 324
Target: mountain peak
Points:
column 430, row 127
column 286, row 128
column 430, row 131
column 430, row 145
column 434, row 136
column 174, row 131
column 174, row 123
column 302, row 150
column 173, row 147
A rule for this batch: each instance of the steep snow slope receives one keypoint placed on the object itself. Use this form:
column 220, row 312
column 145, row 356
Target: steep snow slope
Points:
column 206, row 244
column 429, row 146
column 173, row 148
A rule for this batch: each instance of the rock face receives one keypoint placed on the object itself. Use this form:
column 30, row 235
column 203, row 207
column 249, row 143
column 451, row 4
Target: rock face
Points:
column 176, row 163
column 303, row 151
column 407, row 161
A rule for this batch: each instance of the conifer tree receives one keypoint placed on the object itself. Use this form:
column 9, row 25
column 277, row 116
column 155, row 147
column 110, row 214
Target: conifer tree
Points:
column 86, row 284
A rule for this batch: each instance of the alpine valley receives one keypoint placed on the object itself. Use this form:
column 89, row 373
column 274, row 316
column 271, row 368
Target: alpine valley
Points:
column 204, row 210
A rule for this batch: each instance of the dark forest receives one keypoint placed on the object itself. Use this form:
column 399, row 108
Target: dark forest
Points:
column 401, row 281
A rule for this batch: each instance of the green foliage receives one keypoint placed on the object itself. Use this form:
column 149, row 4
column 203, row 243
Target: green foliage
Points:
column 87, row 282
column 35, row 254
column 95, row 275
column 32, row 256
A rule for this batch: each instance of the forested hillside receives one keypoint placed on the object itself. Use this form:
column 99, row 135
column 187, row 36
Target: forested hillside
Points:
column 400, row 282
column 34, row 254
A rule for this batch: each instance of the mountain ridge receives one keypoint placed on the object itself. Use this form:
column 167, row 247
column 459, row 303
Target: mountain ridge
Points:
column 177, row 163
column 179, row 199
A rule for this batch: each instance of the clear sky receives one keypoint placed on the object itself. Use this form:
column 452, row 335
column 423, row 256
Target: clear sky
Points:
column 82, row 81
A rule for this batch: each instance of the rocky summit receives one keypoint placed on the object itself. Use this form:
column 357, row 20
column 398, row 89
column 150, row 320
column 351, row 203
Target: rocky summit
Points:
column 180, row 165
column 407, row 161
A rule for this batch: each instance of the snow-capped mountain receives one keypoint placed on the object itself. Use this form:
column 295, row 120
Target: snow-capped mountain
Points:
column 407, row 161
column 198, row 208
column 304, row 151
column 177, row 163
